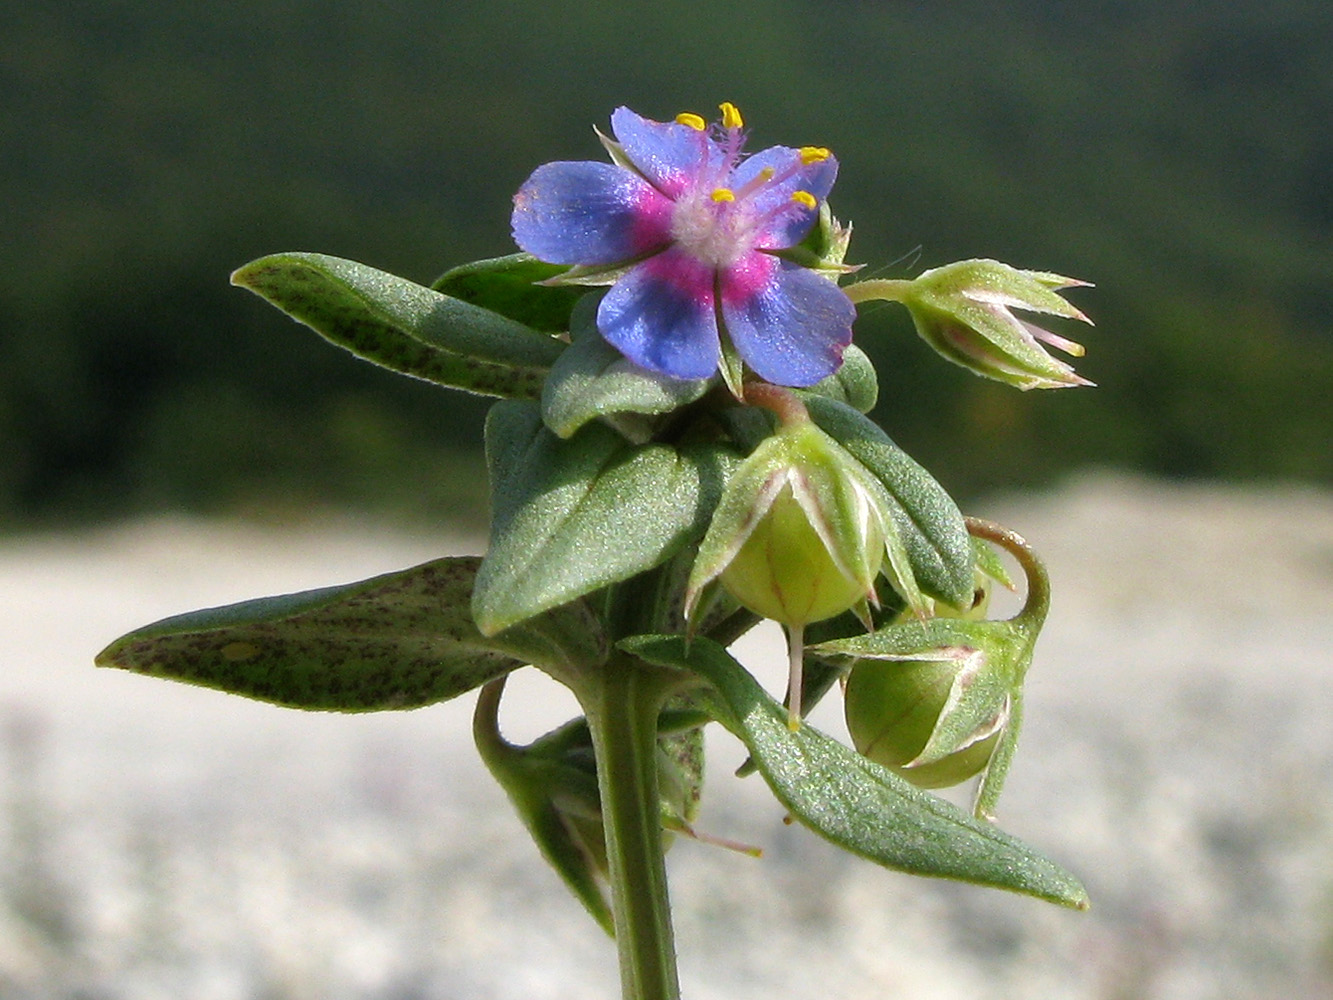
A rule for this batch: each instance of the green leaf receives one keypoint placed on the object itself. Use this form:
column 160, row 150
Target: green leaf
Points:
column 855, row 384
column 929, row 522
column 509, row 286
column 592, row 379
column 853, row 802
column 552, row 784
column 396, row 641
column 571, row 517
column 403, row 326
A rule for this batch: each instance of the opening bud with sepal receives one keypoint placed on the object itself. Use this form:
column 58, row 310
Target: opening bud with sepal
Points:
column 966, row 312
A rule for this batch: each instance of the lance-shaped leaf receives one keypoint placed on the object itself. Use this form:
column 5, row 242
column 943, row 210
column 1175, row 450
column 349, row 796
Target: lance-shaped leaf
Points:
column 395, row 641
column 571, row 517
column 929, row 523
column 404, row 326
column 510, row 286
column 854, row 802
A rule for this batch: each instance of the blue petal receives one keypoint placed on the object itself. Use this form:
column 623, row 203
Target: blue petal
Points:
column 788, row 323
column 790, row 221
column 589, row 213
column 672, row 156
column 660, row 315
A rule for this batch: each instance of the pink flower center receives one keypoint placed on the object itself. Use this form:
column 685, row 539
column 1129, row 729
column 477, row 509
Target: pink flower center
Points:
column 718, row 225
column 716, row 233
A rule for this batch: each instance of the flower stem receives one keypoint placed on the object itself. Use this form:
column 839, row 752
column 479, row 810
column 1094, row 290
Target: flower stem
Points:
column 778, row 400
column 883, row 289
column 622, row 709
column 1038, row 599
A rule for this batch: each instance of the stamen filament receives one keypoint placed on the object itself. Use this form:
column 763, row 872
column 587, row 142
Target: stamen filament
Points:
column 756, row 182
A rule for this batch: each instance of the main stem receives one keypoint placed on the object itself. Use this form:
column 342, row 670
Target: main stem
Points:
column 622, row 713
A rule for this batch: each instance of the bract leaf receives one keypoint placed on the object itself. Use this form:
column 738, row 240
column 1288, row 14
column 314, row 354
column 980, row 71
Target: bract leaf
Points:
column 853, row 802
column 509, row 286
column 395, row 641
column 570, row 517
column 403, row 326
column 930, row 525
column 554, row 790
column 592, row 379
column 854, row 384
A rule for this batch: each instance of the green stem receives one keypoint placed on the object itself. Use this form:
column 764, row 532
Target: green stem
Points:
column 622, row 707
column 1038, row 600
column 882, row 289
column 783, row 402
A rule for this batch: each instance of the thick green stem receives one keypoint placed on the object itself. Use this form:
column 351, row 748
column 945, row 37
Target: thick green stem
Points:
column 622, row 709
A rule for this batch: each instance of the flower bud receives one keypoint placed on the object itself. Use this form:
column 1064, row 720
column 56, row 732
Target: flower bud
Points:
column 940, row 700
column 894, row 708
column 784, row 570
column 800, row 532
column 965, row 312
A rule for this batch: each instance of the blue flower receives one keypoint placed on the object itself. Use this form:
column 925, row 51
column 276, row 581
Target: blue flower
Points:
column 697, row 231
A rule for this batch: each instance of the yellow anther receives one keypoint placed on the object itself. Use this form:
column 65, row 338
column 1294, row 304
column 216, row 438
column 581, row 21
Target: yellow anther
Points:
column 767, row 173
column 723, row 194
column 814, row 154
column 731, row 115
column 692, row 120
column 804, row 198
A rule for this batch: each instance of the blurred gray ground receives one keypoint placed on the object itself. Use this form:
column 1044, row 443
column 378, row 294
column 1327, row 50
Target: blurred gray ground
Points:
column 160, row 841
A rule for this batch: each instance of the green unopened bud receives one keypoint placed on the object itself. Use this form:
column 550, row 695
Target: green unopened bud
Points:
column 799, row 534
column 893, row 710
column 940, row 700
column 965, row 312
column 786, row 572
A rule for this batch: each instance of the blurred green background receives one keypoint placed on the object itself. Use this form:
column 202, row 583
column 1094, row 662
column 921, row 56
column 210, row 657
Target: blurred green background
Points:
column 1179, row 154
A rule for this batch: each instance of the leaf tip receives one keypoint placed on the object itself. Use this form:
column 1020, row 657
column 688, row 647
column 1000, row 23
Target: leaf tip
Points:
column 244, row 276
column 109, row 657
